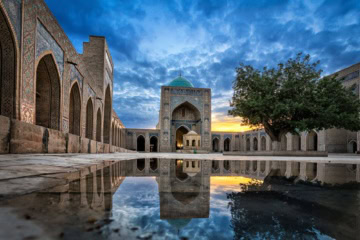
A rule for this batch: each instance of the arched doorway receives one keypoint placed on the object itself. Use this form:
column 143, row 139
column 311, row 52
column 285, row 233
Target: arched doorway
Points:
column 352, row 147
column 98, row 126
column 255, row 144
column 227, row 145
column 248, row 144
column 74, row 110
column 215, row 144
column 107, row 116
column 140, row 143
column 7, row 69
column 179, row 137
column 312, row 141
column 187, row 116
column 153, row 144
column 89, row 119
column 47, row 93
column 263, row 143
column 113, row 133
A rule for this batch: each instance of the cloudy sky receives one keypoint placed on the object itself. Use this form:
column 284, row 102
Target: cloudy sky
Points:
column 152, row 40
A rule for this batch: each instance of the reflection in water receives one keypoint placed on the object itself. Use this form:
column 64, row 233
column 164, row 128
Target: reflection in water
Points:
column 215, row 199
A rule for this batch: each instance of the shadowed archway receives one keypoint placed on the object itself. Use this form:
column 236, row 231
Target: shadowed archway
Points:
column 98, row 126
column 89, row 119
column 179, row 144
column 75, row 110
column 153, row 144
column 312, row 141
column 107, row 115
column 7, row 69
column 47, row 93
column 215, row 144
column 140, row 144
column 227, row 147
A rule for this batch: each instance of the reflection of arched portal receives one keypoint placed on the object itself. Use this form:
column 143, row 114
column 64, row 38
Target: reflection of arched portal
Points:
column 74, row 110
column 180, row 174
column 153, row 144
column 141, row 143
column 89, row 119
column 215, row 165
column 215, row 144
column 179, row 137
column 227, row 145
column 47, row 93
column 140, row 163
column 153, row 164
column 107, row 115
column 255, row 144
column 98, row 126
column 263, row 143
column 312, row 141
column 89, row 188
column 7, row 70
column 227, row 165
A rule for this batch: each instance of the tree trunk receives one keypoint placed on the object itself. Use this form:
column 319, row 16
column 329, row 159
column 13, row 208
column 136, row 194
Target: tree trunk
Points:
column 276, row 145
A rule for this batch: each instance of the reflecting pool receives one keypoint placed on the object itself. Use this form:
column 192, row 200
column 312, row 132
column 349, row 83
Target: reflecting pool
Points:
column 196, row 199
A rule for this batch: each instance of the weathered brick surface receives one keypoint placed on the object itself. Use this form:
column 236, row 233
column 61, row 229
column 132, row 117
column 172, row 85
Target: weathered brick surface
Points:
column 73, row 143
column 57, row 142
column 99, row 147
column 26, row 137
column 85, row 145
column 92, row 146
column 4, row 134
column 106, row 148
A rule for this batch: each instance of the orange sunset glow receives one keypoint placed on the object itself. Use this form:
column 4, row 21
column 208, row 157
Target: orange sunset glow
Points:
column 228, row 124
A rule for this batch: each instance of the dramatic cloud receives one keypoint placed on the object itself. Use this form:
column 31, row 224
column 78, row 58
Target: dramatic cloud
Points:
column 152, row 41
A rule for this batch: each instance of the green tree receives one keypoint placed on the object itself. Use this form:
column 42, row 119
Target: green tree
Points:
column 293, row 97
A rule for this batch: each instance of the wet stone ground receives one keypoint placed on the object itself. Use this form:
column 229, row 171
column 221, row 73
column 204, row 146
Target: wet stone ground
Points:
column 190, row 199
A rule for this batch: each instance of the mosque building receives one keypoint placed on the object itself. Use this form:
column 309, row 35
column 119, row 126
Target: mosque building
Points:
column 184, row 123
column 56, row 100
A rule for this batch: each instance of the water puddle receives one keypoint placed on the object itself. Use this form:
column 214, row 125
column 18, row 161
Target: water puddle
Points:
column 193, row 199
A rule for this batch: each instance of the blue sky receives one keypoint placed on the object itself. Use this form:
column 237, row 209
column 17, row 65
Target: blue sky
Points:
column 152, row 40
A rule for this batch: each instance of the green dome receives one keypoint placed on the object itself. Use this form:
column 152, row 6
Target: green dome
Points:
column 180, row 82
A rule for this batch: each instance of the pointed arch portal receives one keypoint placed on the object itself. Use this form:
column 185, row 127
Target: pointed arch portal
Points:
column 47, row 93
column 7, row 69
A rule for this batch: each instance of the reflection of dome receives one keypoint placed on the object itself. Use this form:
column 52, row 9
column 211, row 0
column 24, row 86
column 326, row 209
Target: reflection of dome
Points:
column 179, row 223
column 192, row 174
column 180, row 82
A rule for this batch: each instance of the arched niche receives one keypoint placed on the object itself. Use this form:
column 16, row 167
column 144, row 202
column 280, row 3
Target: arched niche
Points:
column 47, row 93
column 7, row 69
column 75, row 110
column 89, row 119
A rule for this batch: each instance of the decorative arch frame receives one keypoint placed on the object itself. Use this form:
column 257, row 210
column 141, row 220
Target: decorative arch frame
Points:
column 57, row 73
column 17, row 98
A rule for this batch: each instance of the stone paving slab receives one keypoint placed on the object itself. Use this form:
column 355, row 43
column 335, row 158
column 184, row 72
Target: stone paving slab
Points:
column 26, row 173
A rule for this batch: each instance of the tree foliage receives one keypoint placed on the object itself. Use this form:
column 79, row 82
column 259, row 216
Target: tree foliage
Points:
column 293, row 97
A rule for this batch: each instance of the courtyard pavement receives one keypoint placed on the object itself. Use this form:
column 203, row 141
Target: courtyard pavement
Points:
column 26, row 173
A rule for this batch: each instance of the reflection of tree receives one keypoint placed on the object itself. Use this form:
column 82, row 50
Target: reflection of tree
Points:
column 259, row 215
column 280, row 209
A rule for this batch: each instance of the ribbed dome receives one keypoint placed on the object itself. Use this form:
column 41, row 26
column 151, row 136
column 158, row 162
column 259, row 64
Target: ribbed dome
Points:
column 180, row 82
